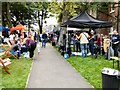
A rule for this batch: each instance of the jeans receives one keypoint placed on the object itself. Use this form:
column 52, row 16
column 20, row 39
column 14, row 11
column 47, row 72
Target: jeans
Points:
column 44, row 43
column 19, row 54
column 84, row 50
column 78, row 47
column 92, row 48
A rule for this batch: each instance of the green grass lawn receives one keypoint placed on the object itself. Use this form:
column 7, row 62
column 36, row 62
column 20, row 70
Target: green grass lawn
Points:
column 19, row 70
column 90, row 68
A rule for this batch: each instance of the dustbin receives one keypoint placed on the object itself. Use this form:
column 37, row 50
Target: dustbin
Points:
column 53, row 43
column 110, row 79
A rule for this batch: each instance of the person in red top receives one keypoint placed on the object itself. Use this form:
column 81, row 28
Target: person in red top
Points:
column 99, row 42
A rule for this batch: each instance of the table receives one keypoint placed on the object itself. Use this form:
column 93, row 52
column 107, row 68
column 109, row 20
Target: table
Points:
column 115, row 59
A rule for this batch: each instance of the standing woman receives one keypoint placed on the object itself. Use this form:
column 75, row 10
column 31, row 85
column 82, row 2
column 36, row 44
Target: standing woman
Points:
column 31, row 46
column 83, row 43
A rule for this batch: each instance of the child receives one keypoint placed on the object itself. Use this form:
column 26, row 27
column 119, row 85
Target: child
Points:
column 38, row 47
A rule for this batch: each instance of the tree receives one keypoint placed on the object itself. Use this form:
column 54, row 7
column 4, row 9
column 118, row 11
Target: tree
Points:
column 62, row 10
column 66, row 10
column 21, row 12
column 118, row 25
column 24, row 12
column 41, row 12
column 14, row 13
column 6, row 17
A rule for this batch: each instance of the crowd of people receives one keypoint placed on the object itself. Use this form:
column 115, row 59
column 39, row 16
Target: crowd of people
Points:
column 88, row 42
column 21, row 44
column 96, row 43
column 25, row 43
column 83, row 41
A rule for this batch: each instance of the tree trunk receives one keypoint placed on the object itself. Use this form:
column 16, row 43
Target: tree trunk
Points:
column 118, row 18
column 40, row 29
column 65, row 16
column 0, row 12
column 8, row 15
column 39, row 21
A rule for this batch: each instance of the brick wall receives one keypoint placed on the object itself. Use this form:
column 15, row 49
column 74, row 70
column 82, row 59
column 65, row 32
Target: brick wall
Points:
column 103, row 16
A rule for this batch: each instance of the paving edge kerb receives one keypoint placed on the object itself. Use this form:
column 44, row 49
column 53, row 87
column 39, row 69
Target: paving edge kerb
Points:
column 29, row 75
column 72, row 67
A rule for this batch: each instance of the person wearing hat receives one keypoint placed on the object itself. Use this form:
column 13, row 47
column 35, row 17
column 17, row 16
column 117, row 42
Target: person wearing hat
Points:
column 115, row 42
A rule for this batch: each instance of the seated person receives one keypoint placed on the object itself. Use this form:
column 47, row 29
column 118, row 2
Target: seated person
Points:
column 23, row 46
column 14, row 47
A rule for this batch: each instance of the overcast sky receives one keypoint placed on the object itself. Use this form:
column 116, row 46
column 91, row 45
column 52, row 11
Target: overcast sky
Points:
column 51, row 21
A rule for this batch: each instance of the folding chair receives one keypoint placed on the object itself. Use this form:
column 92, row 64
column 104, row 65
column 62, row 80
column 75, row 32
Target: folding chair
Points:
column 8, row 53
column 5, row 63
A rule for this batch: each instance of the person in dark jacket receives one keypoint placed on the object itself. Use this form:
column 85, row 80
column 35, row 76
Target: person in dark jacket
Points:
column 115, row 42
column 92, row 41
column 44, row 39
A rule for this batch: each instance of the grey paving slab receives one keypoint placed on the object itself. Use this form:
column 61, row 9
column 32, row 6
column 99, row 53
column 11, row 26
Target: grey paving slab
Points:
column 51, row 70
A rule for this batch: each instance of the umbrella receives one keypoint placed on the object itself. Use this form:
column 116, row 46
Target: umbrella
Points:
column 18, row 27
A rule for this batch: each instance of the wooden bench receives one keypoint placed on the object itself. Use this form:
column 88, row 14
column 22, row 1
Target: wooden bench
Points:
column 115, row 59
column 5, row 63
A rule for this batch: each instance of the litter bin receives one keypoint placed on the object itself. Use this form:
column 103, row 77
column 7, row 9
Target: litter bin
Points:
column 110, row 79
column 53, row 43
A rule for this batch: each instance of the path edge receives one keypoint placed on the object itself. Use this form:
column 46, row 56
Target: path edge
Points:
column 72, row 66
column 29, row 74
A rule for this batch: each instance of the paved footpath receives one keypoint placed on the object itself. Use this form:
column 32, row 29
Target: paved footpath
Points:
column 51, row 70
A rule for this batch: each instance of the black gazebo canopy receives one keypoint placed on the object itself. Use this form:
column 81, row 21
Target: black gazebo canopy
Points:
column 84, row 20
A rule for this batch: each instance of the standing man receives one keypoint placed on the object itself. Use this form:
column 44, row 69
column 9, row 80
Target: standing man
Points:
column 44, row 39
column 115, row 42
column 83, row 43
column 92, row 40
